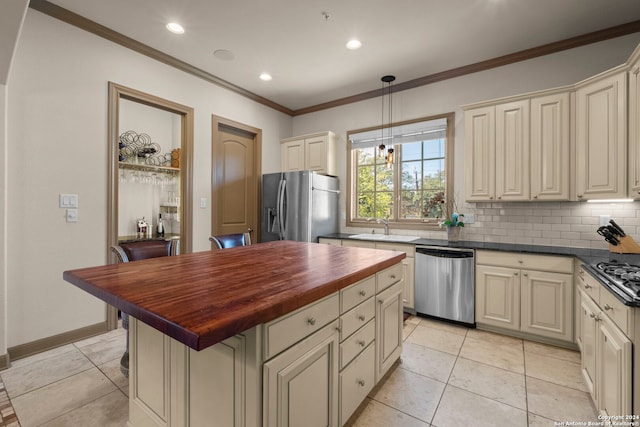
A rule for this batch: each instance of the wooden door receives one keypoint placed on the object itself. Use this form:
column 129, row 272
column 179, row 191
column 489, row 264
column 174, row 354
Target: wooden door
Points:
column 235, row 178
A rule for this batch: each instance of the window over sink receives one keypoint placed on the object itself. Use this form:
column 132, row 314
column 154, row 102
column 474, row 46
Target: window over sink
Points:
column 412, row 188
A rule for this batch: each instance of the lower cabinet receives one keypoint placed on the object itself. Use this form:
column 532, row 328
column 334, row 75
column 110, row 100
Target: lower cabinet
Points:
column 301, row 384
column 605, row 357
column 530, row 294
column 388, row 328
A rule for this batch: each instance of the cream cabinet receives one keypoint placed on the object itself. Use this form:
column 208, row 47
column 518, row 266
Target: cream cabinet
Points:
column 316, row 152
column 530, row 294
column 550, row 148
column 634, row 126
column 388, row 328
column 606, row 354
column 518, row 150
column 408, row 264
column 301, row 384
column 601, row 136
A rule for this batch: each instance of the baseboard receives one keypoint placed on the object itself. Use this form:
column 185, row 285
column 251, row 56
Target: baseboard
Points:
column 44, row 344
column 4, row 361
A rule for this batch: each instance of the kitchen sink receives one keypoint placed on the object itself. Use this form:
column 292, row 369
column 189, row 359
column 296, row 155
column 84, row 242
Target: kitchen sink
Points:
column 384, row 238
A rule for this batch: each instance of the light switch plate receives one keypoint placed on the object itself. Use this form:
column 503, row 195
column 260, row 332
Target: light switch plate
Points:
column 68, row 200
column 203, row 202
column 469, row 218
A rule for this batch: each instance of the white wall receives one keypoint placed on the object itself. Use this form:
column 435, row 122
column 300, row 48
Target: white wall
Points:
column 3, row 216
column 57, row 133
column 566, row 224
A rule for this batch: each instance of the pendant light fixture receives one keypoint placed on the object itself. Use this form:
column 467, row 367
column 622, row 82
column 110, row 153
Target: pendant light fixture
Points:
column 383, row 151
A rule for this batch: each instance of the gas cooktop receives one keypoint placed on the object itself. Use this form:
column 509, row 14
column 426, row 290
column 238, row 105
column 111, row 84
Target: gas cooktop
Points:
column 621, row 276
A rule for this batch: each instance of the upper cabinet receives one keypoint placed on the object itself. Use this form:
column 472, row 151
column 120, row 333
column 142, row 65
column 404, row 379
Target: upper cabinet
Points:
column 634, row 125
column 316, row 152
column 518, row 150
column 601, row 137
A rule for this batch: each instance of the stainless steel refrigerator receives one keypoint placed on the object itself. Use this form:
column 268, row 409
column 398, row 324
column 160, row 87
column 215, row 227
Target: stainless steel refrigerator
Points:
column 299, row 206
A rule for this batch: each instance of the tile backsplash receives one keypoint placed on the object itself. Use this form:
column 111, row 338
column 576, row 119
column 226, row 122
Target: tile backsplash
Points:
column 572, row 224
column 556, row 224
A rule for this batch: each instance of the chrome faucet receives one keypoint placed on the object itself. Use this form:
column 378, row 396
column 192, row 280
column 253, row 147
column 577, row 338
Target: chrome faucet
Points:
column 384, row 222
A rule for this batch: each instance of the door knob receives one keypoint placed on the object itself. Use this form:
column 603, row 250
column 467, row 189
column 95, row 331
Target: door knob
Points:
column 250, row 230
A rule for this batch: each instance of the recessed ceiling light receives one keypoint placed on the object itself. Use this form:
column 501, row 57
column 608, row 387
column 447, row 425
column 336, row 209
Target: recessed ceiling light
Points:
column 354, row 44
column 265, row 77
column 175, row 28
column 224, row 55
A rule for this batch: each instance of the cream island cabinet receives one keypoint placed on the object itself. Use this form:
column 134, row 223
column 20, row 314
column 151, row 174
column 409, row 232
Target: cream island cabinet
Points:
column 298, row 339
column 409, row 263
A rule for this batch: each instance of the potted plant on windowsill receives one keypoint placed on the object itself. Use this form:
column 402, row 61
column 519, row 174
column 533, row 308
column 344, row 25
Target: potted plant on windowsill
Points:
column 453, row 222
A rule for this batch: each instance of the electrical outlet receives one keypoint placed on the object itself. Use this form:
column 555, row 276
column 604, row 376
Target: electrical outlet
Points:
column 72, row 215
column 469, row 218
column 604, row 219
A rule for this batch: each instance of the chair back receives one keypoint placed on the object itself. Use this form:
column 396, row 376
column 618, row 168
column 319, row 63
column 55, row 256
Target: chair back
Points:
column 135, row 251
column 231, row 240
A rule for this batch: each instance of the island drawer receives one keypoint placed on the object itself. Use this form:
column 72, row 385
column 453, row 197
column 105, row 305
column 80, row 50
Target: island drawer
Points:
column 357, row 342
column 356, row 318
column 355, row 382
column 388, row 277
column 287, row 330
column 357, row 293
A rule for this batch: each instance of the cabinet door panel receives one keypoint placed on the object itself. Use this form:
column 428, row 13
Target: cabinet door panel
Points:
column 601, row 169
column 614, row 370
column 498, row 296
column 316, row 154
column 512, row 151
column 480, row 153
column 546, row 304
column 293, row 156
column 588, row 311
column 388, row 328
column 301, row 384
column 550, row 147
column 634, row 130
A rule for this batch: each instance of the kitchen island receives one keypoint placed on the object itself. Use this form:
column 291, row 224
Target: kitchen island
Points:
column 279, row 333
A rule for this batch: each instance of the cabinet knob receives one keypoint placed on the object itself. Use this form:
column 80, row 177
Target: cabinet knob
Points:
column 499, row 197
column 607, row 307
column 525, row 274
column 361, row 383
column 362, row 293
column 490, row 197
column 520, row 261
column 311, row 321
column 587, row 286
column 337, row 329
column 361, row 343
column 361, row 318
column 393, row 276
column 535, row 197
column 579, row 195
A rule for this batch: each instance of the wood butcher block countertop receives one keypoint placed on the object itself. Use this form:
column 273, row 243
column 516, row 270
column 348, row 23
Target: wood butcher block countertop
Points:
column 203, row 298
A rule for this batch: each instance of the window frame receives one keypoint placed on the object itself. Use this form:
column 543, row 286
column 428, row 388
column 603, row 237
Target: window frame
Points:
column 394, row 220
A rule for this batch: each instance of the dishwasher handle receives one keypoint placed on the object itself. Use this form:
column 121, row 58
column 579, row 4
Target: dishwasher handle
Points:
column 444, row 252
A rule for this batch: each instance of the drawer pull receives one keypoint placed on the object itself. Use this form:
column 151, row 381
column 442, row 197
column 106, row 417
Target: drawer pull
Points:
column 362, row 293
column 337, row 329
column 362, row 318
column 587, row 286
column 393, row 276
column 515, row 274
column 361, row 383
column 526, row 274
column 311, row 321
column 520, row 261
column 361, row 343
column 607, row 307
column 594, row 317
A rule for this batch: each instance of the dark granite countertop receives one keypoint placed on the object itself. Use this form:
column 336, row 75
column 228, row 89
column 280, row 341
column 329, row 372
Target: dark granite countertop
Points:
column 586, row 255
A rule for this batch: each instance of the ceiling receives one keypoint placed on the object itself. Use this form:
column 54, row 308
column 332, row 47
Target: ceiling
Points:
column 305, row 51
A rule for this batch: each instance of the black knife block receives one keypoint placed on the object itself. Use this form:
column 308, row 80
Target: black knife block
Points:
column 626, row 246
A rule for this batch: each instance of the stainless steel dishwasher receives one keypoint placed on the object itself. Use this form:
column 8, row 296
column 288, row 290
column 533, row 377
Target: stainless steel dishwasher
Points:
column 445, row 283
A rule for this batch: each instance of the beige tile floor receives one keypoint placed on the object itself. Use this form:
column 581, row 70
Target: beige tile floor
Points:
column 449, row 376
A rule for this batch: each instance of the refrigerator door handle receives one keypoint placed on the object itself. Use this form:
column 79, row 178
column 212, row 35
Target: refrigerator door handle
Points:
column 327, row 190
column 282, row 232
